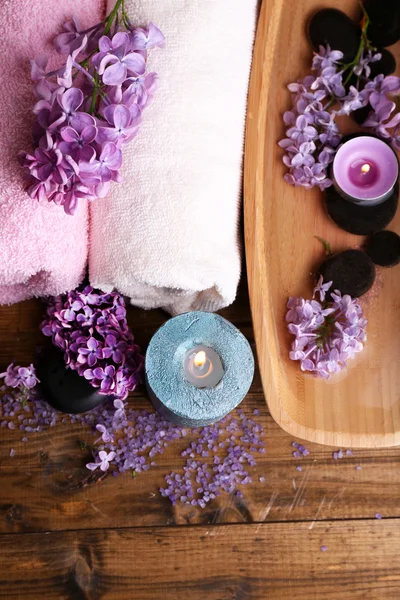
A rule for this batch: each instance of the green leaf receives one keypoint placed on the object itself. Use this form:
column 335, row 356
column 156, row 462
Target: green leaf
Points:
column 326, row 244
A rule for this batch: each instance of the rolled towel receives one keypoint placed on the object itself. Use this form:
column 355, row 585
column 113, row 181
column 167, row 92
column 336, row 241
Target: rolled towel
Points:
column 167, row 236
column 42, row 250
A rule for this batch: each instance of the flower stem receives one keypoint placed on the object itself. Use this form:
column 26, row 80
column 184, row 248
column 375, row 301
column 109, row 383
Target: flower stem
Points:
column 364, row 43
column 111, row 17
column 95, row 92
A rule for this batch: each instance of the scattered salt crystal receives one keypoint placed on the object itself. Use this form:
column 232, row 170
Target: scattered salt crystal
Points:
column 299, row 468
column 261, row 479
column 358, row 468
column 324, row 548
column 12, row 452
column 378, row 516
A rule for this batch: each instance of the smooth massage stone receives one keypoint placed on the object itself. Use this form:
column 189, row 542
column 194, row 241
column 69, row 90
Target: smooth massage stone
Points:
column 63, row 388
column 334, row 27
column 384, row 248
column 384, row 27
column 351, row 272
column 361, row 115
column 360, row 220
column 386, row 65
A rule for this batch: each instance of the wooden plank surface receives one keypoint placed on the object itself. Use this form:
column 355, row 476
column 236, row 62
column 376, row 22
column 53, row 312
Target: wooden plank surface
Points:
column 243, row 562
column 44, row 484
column 360, row 408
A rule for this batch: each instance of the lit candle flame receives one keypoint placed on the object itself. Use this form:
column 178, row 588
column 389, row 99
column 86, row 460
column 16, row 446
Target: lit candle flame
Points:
column 366, row 168
column 200, row 358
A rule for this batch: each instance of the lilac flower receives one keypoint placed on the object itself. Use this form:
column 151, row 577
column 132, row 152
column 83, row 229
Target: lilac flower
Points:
column 114, row 348
column 331, row 81
column 321, row 288
column 95, row 337
column 105, row 435
column 145, row 39
column 327, row 334
column 50, row 166
column 71, row 38
column 364, row 62
column 105, row 168
column 88, row 109
column 70, row 102
column 22, row 377
column 354, row 100
column 122, row 126
column 311, row 131
column 304, row 155
column 120, row 410
column 103, row 462
column 326, row 58
column 312, row 134
column 91, row 353
column 115, row 61
column 106, row 378
column 140, row 90
column 302, row 130
column 77, row 142
column 64, row 74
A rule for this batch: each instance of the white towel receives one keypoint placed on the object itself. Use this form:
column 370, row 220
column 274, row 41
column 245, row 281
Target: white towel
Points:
column 168, row 235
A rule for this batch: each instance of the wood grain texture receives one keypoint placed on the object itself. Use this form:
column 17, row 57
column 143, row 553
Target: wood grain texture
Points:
column 44, row 486
column 362, row 408
column 258, row 562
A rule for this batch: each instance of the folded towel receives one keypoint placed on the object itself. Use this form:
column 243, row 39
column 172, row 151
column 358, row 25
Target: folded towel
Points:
column 167, row 236
column 42, row 250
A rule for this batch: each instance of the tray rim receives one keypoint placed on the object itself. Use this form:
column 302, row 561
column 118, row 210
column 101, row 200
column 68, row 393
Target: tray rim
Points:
column 260, row 79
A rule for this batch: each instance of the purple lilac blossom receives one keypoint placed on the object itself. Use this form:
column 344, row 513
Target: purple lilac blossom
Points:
column 21, row 377
column 92, row 330
column 87, row 110
column 327, row 333
column 312, row 134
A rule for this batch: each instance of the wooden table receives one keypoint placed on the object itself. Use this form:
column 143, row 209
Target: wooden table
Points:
column 119, row 539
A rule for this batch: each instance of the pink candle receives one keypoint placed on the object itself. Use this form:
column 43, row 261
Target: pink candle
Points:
column 365, row 170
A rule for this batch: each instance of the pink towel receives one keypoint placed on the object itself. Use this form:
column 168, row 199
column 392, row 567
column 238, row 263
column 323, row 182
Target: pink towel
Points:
column 42, row 250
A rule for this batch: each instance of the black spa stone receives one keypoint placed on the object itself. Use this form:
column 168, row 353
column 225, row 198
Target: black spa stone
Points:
column 351, row 272
column 384, row 28
column 361, row 115
column 384, row 248
column 63, row 388
column 360, row 220
column 386, row 65
column 334, row 27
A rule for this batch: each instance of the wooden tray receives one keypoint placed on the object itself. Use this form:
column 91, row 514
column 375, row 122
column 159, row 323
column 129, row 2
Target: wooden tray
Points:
column 360, row 408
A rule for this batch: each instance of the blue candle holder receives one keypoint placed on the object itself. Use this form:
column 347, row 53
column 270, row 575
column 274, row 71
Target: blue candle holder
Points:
column 172, row 394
